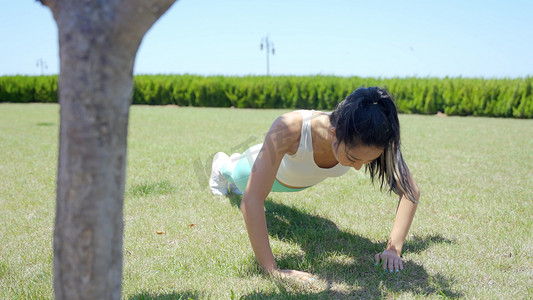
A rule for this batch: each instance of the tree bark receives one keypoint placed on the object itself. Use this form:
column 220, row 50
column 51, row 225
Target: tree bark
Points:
column 98, row 43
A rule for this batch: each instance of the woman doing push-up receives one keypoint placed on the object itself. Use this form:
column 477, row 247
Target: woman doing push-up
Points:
column 304, row 147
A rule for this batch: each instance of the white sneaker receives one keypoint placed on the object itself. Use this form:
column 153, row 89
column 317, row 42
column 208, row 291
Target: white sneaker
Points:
column 217, row 182
column 234, row 159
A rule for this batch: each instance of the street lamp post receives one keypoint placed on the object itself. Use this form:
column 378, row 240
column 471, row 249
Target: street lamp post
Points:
column 265, row 42
column 41, row 63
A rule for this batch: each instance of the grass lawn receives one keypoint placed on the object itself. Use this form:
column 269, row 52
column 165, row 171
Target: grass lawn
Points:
column 472, row 236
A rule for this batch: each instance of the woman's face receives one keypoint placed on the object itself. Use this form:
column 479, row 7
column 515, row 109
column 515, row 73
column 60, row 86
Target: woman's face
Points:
column 356, row 156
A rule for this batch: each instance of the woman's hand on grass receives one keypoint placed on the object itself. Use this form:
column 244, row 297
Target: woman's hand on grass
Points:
column 293, row 274
column 390, row 260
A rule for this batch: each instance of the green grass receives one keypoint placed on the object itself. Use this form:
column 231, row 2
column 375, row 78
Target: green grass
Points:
column 472, row 236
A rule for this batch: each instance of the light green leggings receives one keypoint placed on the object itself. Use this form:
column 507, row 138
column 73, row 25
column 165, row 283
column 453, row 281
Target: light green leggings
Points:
column 241, row 172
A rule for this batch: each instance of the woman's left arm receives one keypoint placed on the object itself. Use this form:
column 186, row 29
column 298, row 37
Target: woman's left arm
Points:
column 390, row 258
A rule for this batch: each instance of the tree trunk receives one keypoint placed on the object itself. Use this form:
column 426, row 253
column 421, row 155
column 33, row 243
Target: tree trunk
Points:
column 98, row 43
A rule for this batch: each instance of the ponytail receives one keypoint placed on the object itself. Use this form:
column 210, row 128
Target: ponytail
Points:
column 369, row 116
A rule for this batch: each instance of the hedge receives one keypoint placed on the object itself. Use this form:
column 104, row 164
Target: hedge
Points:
column 453, row 96
column 22, row 89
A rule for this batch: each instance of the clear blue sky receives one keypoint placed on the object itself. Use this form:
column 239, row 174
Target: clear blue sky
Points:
column 469, row 38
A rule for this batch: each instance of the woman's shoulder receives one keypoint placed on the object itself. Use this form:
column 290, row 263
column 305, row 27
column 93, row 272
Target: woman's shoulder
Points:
column 290, row 122
column 286, row 131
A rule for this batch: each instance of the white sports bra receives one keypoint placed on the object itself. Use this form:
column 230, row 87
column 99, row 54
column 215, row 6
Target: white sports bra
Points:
column 300, row 170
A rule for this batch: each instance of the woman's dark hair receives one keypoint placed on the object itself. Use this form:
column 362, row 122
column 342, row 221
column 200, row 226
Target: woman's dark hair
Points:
column 368, row 116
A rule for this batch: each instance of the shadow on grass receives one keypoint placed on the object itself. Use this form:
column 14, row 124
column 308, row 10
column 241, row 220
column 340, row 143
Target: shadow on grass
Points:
column 169, row 296
column 45, row 124
column 343, row 258
column 151, row 188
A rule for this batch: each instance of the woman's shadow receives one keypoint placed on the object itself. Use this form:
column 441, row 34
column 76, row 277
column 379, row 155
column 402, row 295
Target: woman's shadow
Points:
column 345, row 258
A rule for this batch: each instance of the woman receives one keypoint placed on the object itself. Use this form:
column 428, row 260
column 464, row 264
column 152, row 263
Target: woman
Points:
column 303, row 148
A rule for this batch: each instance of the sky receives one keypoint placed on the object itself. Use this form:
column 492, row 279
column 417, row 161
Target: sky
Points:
column 372, row 38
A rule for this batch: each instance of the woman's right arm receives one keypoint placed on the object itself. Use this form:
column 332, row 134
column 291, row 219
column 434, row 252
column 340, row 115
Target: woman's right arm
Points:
column 283, row 137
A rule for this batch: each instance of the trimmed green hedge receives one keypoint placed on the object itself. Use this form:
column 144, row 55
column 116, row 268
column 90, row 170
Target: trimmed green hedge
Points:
column 453, row 96
column 22, row 89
